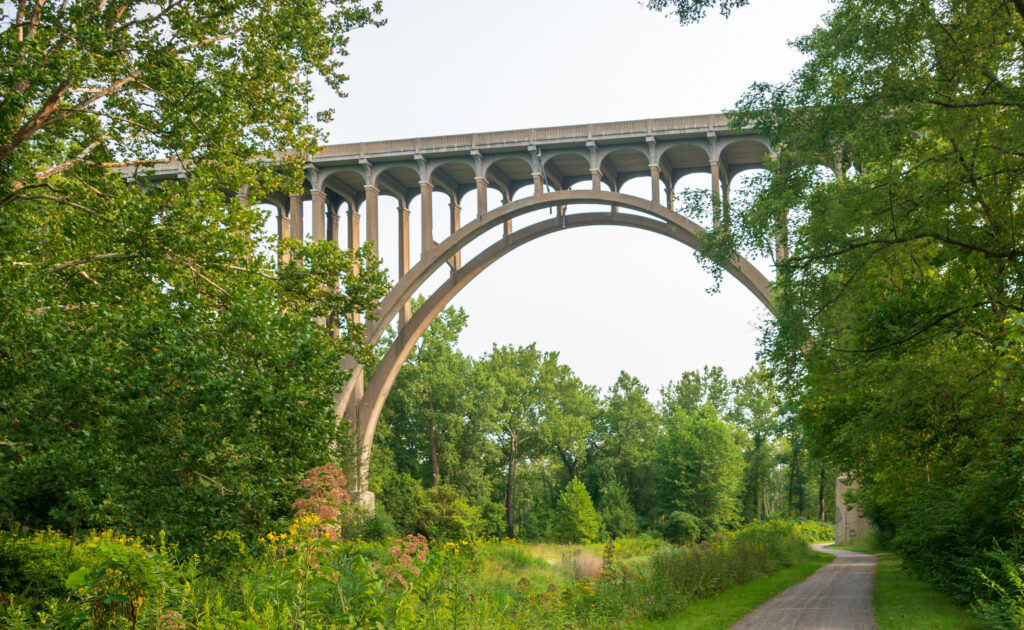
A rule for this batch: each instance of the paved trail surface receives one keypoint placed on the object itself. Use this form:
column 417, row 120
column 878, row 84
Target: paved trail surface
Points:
column 836, row 597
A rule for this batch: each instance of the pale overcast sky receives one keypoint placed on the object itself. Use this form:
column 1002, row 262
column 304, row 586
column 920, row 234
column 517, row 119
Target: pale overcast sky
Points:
column 607, row 299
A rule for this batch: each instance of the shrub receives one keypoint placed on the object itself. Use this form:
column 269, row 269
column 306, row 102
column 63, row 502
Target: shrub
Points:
column 682, row 528
column 678, row 575
column 575, row 518
column 447, row 515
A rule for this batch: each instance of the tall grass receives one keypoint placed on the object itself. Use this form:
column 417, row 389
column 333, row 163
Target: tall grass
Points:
column 306, row 578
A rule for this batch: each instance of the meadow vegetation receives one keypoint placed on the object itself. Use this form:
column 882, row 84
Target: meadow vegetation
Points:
column 311, row 576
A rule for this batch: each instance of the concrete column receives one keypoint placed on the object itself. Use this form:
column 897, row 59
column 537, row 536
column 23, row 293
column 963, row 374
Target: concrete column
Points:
column 655, row 183
column 538, row 184
column 508, row 224
column 319, row 214
column 372, row 195
column 782, row 239
column 725, row 202
column 426, row 217
column 716, row 193
column 456, row 219
column 333, row 225
column 595, row 178
column 353, row 244
column 295, row 215
column 284, row 230
column 670, row 195
column 403, row 259
column 481, row 196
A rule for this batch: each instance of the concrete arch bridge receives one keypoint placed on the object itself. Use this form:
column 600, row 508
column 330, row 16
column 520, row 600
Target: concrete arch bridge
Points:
column 345, row 183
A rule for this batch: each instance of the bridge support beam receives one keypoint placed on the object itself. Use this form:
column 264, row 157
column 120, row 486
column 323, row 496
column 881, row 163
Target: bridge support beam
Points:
column 403, row 260
column 481, row 196
column 426, row 217
column 372, row 223
column 319, row 214
column 655, row 183
column 284, row 229
column 295, row 215
column 456, row 220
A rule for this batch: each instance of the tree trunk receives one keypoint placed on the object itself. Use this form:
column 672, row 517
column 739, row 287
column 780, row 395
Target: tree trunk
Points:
column 821, row 495
column 435, row 464
column 510, row 487
column 794, row 468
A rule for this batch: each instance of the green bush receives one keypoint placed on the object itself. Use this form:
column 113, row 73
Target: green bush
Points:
column 447, row 515
column 682, row 528
column 679, row 575
column 575, row 518
column 34, row 567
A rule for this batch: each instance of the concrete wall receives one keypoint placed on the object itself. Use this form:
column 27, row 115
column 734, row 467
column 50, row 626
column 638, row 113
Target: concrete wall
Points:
column 850, row 521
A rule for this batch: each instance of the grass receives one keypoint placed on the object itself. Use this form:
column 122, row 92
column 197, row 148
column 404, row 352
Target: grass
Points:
column 726, row 608
column 903, row 602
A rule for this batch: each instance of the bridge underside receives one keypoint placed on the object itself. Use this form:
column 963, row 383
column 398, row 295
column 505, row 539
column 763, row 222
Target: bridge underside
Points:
column 471, row 166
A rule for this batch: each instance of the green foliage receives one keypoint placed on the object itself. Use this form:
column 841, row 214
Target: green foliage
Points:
column 679, row 575
column 161, row 370
column 897, row 196
column 446, row 515
column 682, row 528
column 689, row 11
column 576, row 519
column 308, row 577
column 699, row 470
column 617, row 515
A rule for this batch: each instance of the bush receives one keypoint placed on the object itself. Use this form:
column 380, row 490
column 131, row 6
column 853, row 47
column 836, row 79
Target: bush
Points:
column 105, row 579
column 575, row 518
column 447, row 515
column 679, row 575
column 682, row 528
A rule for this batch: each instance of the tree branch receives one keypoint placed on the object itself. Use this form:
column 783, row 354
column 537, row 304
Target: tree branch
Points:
column 89, row 259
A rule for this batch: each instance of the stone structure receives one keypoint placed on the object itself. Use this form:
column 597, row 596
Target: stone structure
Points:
column 850, row 520
column 547, row 162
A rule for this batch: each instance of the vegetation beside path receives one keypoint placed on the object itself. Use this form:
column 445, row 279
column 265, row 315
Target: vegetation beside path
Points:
column 904, row 602
column 728, row 607
column 316, row 575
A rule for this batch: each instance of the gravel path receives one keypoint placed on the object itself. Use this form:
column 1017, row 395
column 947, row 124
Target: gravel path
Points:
column 836, row 597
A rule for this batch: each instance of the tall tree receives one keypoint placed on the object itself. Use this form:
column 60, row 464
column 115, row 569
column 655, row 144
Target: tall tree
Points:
column 896, row 190
column 160, row 371
column 756, row 412
column 570, row 413
column 626, row 433
column 431, row 401
column 521, row 379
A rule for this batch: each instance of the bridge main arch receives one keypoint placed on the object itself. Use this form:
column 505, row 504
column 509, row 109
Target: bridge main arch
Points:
column 363, row 407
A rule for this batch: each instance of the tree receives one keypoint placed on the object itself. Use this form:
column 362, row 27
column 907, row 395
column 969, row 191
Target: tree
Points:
column 896, row 190
column 698, row 470
column 626, row 432
column 689, row 11
column 160, row 370
column 757, row 413
column 521, row 387
column 575, row 518
column 569, row 414
column 429, row 407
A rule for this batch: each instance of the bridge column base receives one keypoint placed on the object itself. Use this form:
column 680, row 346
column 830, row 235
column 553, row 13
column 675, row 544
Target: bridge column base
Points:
column 364, row 499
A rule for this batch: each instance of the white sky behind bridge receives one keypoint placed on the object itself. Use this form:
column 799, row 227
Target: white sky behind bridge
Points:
column 606, row 298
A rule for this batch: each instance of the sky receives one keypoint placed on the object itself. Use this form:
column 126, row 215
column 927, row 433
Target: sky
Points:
column 607, row 299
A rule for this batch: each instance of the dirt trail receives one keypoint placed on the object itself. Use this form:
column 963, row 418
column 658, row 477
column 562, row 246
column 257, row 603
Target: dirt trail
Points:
column 836, row 597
